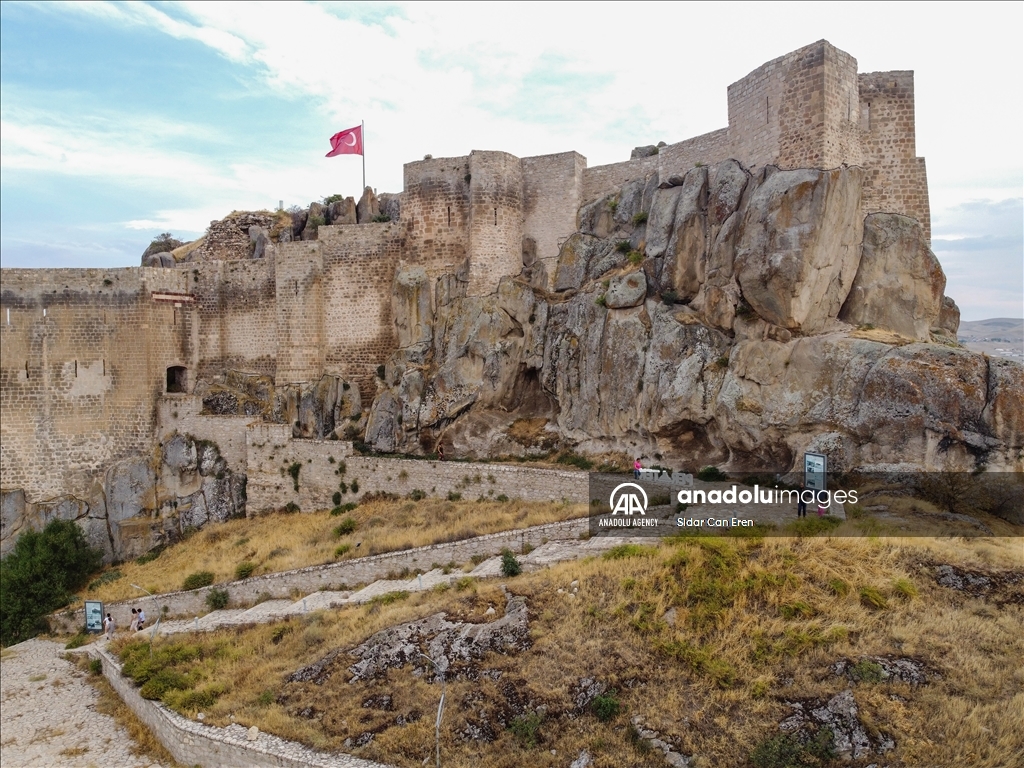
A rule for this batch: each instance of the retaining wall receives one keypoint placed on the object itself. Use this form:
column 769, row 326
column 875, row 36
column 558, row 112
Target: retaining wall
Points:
column 193, row 743
column 333, row 576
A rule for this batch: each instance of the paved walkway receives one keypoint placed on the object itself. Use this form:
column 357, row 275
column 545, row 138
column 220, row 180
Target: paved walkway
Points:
column 48, row 714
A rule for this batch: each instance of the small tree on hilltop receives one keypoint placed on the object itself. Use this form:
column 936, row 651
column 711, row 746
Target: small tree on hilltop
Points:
column 40, row 575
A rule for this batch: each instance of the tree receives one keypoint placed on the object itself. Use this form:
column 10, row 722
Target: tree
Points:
column 40, row 575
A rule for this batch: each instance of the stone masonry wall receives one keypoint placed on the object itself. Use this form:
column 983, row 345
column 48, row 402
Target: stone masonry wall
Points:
column 435, row 208
column 553, row 186
column 709, row 148
column 271, row 453
column 896, row 180
column 841, row 136
column 300, row 313
column 237, row 318
column 602, row 179
column 85, row 354
column 346, row 574
column 359, row 269
column 193, row 743
column 182, row 414
column 495, row 219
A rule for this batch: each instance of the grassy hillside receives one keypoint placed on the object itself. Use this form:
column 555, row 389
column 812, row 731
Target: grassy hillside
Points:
column 279, row 542
column 711, row 643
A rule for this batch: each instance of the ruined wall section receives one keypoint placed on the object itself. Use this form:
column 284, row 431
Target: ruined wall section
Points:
column 359, row 262
column 84, row 359
column 552, row 193
column 896, row 180
column 300, row 313
column 435, row 208
column 237, row 327
column 495, row 219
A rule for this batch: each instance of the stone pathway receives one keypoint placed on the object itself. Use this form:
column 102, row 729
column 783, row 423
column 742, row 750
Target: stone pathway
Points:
column 48, row 714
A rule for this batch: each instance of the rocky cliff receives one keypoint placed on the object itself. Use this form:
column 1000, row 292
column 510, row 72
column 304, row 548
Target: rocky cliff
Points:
column 713, row 318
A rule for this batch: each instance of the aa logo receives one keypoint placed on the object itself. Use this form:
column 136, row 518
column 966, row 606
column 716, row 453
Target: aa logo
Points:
column 629, row 499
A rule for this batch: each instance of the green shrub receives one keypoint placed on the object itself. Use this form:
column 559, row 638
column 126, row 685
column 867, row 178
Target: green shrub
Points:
column 77, row 641
column 904, row 588
column 315, row 222
column 217, row 599
column 867, row 671
column 344, row 549
column 839, row 587
column 787, row 751
column 501, row 497
column 640, row 218
column 623, row 246
column 245, row 569
column 509, row 564
column 380, row 372
column 606, row 706
column 872, row 598
column 354, row 485
column 41, row 574
column 622, row 551
column 417, row 495
column 389, row 597
column 106, row 578
column 266, row 698
column 347, row 526
column 712, row 475
column 343, row 508
column 294, row 470
column 197, row 580
column 453, row 496
column 601, row 301
column 574, row 460
column 380, row 218
column 291, row 507
column 336, row 498
column 670, row 297
column 526, row 729
column 163, row 681
column 635, row 257
column 150, row 556
column 96, row 666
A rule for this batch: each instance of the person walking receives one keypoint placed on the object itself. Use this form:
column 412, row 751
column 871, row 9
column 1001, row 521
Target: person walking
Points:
column 134, row 626
column 801, row 504
column 108, row 626
column 142, row 618
column 637, row 466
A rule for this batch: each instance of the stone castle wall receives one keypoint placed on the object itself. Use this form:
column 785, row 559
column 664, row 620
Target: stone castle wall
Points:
column 85, row 354
column 79, row 384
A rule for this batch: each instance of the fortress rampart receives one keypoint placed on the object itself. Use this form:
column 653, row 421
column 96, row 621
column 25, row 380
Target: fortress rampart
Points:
column 87, row 354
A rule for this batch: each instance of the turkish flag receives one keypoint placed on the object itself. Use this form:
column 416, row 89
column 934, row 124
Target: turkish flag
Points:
column 347, row 142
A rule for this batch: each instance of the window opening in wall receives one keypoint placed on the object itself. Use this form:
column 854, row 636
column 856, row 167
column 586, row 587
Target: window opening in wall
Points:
column 26, row 369
column 104, row 367
column 44, row 311
column 766, row 107
column 76, row 369
column 495, row 217
column 449, row 215
column 176, row 378
column 8, row 315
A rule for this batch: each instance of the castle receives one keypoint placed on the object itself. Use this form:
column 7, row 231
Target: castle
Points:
column 87, row 354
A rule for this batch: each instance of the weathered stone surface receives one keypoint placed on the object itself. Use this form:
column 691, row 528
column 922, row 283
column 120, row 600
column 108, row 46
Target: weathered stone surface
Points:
column 799, row 246
column 390, row 205
column 899, row 282
column 645, row 151
column 626, row 290
column 574, row 259
column 840, row 715
column 949, row 317
column 164, row 260
column 595, row 218
column 261, row 240
column 685, row 264
column 411, row 306
column 160, row 245
column 367, row 207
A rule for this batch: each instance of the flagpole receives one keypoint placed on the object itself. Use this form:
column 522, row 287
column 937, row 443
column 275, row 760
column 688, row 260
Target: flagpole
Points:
column 362, row 137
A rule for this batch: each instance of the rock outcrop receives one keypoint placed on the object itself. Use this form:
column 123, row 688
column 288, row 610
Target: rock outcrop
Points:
column 716, row 317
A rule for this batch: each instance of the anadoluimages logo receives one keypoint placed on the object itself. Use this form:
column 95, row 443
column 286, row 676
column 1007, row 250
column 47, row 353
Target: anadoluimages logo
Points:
column 628, row 502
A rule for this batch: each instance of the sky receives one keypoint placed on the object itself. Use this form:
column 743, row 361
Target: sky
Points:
column 122, row 121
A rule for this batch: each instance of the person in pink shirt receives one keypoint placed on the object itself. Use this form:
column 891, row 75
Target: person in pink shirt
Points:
column 636, row 468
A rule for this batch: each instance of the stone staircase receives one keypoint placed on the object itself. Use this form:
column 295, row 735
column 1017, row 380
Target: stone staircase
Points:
column 274, row 609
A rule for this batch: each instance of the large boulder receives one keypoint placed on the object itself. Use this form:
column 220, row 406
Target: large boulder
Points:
column 626, row 290
column 342, row 211
column 799, row 246
column 899, row 283
column 949, row 317
column 368, row 207
column 410, row 303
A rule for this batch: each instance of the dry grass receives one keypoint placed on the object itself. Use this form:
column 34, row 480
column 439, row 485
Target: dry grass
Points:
column 756, row 623
column 280, row 542
column 878, row 334
column 182, row 251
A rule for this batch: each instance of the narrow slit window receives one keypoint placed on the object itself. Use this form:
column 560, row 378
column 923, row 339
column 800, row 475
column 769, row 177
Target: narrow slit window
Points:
column 495, row 217
column 76, row 369
column 766, row 109
column 449, row 215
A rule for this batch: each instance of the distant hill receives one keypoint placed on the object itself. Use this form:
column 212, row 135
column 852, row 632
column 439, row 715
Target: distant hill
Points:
column 997, row 336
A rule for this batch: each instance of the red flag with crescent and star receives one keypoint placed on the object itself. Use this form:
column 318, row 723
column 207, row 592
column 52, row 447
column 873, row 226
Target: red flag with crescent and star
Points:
column 347, row 142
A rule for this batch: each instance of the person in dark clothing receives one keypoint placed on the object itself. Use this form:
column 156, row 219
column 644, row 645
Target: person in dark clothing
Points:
column 801, row 505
